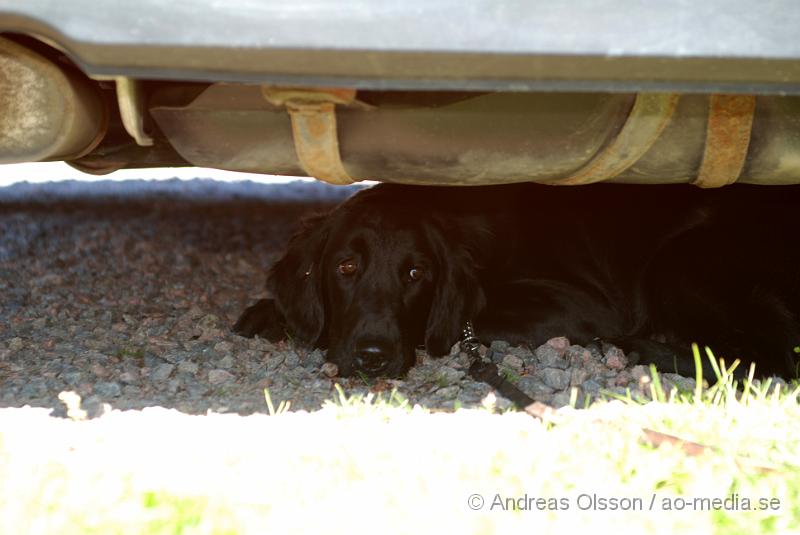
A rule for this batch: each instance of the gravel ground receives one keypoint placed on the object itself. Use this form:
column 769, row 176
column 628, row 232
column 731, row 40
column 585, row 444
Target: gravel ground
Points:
column 124, row 293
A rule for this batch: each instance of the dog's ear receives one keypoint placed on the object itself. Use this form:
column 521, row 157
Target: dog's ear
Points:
column 295, row 282
column 458, row 296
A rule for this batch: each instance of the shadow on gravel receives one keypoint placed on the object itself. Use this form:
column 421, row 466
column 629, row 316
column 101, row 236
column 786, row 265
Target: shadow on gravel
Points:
column 123, row 292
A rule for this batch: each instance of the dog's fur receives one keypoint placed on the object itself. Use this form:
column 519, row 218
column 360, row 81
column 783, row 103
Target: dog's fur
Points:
column 649, row 268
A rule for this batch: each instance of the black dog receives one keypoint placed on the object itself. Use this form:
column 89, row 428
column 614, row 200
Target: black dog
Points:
column 396, row 266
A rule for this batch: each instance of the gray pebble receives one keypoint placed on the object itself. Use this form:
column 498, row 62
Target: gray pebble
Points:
column 107, row 389
column 71, row 377
column 555, row 378
column 202, row 353
column 534, row 387
column 321, row 386
column 226, row 362
column 513, row 362
column 578, row 376
column 93, row 406
column 591, row 386
column 223, row 347
column 503, row 404
column 421, row 374
column 577, row 355
column 217, row 377
column 258, row 344
column 561, row 399
column 463, row 360
column 292, row 359
column 495, row 356
column 314, row 360
column 448, row 392
column 473, row 391
column 35, row 388
column 173, row 385
column 130, row 373
column 275, row 360
column 189, row 367
column 448, row 376
column 500, row 346
column 132, row 391
column 596, row 368
column 594, row 351
column 522, row 352
column 550, row 357
column 176, row 357
column 623, row 378
column 161, row 372
column 152, row 361
column 196, row 390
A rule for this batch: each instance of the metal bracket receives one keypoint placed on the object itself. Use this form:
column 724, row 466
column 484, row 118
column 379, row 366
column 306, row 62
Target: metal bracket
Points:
column 131, row 110
column 313, row 115
column 730, row 123
column 650, row 114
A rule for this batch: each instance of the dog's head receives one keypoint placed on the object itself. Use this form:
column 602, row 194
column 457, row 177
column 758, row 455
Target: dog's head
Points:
column 377, row 277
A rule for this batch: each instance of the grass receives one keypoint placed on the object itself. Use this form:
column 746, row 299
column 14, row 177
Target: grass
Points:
column 131, row 353
column 374, row 462
column 364, row 378
column 283, row 406
column 128, row 352
column 173, row 514
column 509, row 374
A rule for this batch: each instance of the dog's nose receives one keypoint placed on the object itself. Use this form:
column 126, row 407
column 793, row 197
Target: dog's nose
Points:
column 371, row 359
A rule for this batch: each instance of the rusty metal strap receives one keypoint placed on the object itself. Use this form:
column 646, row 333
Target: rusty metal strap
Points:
column 730, row 122
column 650, row 114
column 316, row 141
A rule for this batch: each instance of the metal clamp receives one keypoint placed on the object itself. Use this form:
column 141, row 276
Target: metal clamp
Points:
column 730, row 123
column 313, row 115
column 650, row 114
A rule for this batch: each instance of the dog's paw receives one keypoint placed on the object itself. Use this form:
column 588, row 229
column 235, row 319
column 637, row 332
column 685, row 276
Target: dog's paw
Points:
column 262, row 319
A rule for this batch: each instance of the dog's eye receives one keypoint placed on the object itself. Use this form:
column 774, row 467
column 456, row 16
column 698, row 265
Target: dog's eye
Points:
column 415, row 273
column 348, row 267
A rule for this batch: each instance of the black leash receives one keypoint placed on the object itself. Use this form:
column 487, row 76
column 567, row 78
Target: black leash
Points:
column 486, row 372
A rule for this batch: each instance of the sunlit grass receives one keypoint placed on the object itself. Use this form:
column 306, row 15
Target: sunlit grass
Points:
column 375, row 462
column 722, row 389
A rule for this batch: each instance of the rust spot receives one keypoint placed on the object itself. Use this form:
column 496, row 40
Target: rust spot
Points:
column 730, row 122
